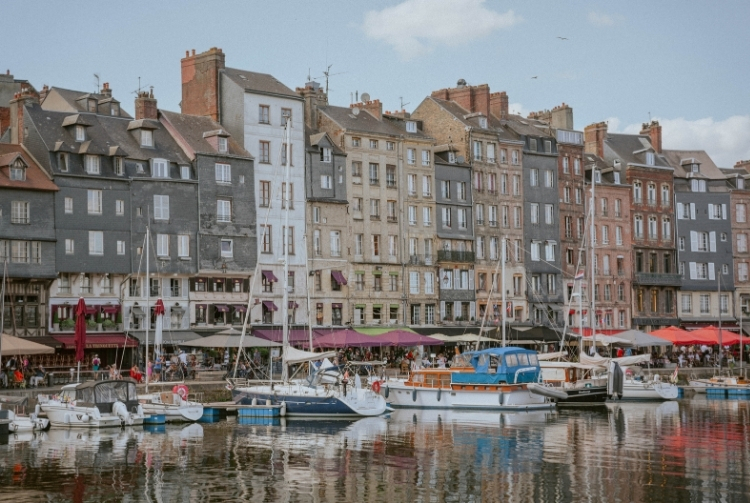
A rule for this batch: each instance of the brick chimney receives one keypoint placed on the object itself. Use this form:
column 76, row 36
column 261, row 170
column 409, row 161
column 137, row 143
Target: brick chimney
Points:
column 106, row 91
column 742, row 165
column 499, row 104
column 375, row 107
column 145, row 106
column 44, row 93
column 593, row 137
column 653, row 130
column 315, row 97
column 475, row 99
column 200, row 83
column 26, row 96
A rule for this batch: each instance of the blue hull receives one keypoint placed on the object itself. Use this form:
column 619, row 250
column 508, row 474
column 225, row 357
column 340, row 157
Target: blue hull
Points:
column 298, row 406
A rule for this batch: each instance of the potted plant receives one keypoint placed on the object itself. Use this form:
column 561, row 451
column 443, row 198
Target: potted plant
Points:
column 118, row 321
column 99, row 321
column 108, row 324
column 55, row 321
column 67, row 324
column 90, row 324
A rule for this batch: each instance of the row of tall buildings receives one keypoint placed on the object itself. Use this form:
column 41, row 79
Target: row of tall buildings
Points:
column 420, row 219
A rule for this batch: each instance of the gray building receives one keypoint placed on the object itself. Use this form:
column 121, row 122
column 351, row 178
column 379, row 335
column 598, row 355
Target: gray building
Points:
column 27, row 241
column 227, row 243
column 455, row 230
column 541, row 230
column 704, row 240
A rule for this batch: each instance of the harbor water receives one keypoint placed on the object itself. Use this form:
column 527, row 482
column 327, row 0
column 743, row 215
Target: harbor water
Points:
column 692, row 450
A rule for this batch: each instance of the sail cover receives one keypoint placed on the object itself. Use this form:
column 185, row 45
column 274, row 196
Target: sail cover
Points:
column 293, row 356
column 625, row 361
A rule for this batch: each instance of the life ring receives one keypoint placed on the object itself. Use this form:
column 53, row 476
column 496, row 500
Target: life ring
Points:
column 181, row 390
column 376, row 386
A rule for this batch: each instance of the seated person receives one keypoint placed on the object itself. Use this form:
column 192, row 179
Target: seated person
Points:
column 135, row 373
column 38, row 377
column 18, row 377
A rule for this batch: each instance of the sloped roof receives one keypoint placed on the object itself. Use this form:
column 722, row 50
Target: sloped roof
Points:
column 529, row 127
column 36, row 178
column 679, row 158
column 192, row 129
column 70, row 97
column 632, row 149
column 363, row 122
column 469, row 119
column 259, row 82
column 313, row 139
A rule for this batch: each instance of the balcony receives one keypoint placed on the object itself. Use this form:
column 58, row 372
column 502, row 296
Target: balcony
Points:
column 419, row 259
column 455, row 256
column 657, row 279
column 392, row 218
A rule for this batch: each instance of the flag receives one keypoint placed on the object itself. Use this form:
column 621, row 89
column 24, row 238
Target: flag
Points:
column 674, row 374
column 159, row 313
column 579, row 275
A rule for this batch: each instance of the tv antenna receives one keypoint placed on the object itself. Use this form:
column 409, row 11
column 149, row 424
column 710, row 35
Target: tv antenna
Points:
column 401, row 100
column 140, row 87
column 327, row 74
column 96, row 76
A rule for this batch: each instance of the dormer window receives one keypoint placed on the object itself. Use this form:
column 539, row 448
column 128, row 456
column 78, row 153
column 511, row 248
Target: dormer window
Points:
column 740, row 183
column 452, row 157
column 695, row 168
column 598, row 176
column 62, row 162
column 222, row 145
column 92, row 164
column 160, row 168
column 18, row 171
column 650, row 158
column 617, row 177
column 185, row 172
column 80, row 133
column 92, row 105
column 325, row 154
column 147, row 138
column 483, row 122
column 115, row 109
column 117, row 162
column 411, row 127
column 139, row 168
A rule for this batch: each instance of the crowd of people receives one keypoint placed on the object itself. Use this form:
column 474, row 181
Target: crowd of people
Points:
column 18, row 371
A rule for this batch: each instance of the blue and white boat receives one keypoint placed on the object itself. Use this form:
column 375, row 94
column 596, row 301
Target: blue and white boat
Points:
column 492, row 379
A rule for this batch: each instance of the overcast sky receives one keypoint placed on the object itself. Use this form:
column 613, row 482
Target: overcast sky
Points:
column 683, row 62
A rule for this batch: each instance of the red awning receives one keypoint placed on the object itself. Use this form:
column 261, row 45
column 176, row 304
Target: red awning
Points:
column 270, row 305
column 96, row 341
column 340, row 279
column 240, row 309
column 111, row 309
column 221, row 308
column 337, row 306
column 92, row 309
column 292, row 305
column 269, row 276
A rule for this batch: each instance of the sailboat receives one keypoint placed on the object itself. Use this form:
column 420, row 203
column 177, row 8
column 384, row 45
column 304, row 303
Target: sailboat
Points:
column 173, row 405
column 314, row 395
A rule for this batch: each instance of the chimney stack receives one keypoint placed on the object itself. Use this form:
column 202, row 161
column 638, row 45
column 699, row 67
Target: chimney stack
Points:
column 499, row 105
column 745, row 165
column 44, row 93
column 653, row 130
column 145, row 106
column 27, row 96
column 315, row 97
column 374, row 107
column 200, row 83
column 475, row 99
column 593, row 137
column 106, row 91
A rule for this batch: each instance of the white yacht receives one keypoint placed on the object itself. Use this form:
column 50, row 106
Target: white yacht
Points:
column 173, row 405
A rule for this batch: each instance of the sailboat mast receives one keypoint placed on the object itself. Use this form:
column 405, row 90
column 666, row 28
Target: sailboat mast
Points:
column 502, row 286
column 2, row 305
column 593, row 257
column 285, row 241
column 718, row 299
column 148, row 311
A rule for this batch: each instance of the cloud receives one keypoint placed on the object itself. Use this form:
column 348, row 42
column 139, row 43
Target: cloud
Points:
column 416, row 27
column 726, row 141
column 600, row 19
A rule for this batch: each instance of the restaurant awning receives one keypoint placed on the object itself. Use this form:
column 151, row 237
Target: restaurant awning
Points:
column 111, row 309
column 240, row 308
column 340, row 279
column 270, row 276
column 337, row 306
column 270, row 305
column 92, row 309
column 98, row 341
column 221, row 308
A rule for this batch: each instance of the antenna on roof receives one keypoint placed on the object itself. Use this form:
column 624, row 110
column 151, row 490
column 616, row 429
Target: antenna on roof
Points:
column 327, row 74
column 401, row 100
column 96, row 75
column 138, row 91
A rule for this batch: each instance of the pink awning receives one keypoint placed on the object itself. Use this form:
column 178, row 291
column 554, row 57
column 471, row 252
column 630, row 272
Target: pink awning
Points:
column 269, row 276
column 340, row 279
column 221, row 308
column 270, row 305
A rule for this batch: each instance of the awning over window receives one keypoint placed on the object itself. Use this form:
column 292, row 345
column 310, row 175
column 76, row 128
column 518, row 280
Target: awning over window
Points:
column 340, row 279
column 293, row 305
column 96, row 341
column 92, row 309
column 177, row 309
column 221, row 308
column 337, row 306
column 111, row 309
column 269, row 276
column 270, row 305
column 137, row 310
column 240, row 309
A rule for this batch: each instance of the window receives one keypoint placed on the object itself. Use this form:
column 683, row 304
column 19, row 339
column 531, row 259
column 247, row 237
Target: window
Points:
column 461, row 190
column 446, row 214
column 183, row 245
column 375, row 209
column 491, row 153
column 223, row 173
column 286, row 114
column 284, row 150
column 503, row 156
column 741, row 243
column 605, row 234
column 335, row 243
column 264, row 152
column 651, row 193
column 358, row 244
column 740, row 213
column 92, row 164
column 724, row 303
column 504, row 183
column 19, row 212
column 492, row 183
column 698, row 185
column 391, row 209
column 534, row 213
column 160, row 168
column 290, row 235
column 119, row 207
column 227, row 248
column 161, row 207
column 492, row 215
column 390, row 175
column 666, row 228
column 514, row 158
column 477, row 150
column 534, row 177
column 429, row 283
column 724, row 268
column 742, row 271
column 411, row 156
column 517, row 217
column 549, row 178
column 265, row 240
column 68, row 205
column 412, row 215
column 374, row 174
column 617, row 181
column 579, row 195
column 638, row 227
column 480, row 214
column 80, row 133
column 426, row 186
column 533, row 144
column 445, row 189
column 461, row 213
column 665, row 201
column 637, row 192
column 480, row 247
column 550, row 248
column 414, row 283
column 566, row 195
column 69, row 247
column 705, row 303
column 618, row 235
column 223, row 210
column 147, row 138
column 96, row 243
column 95, row 202
column 549, row 214
column 425, row 158
column 162, row 245
column 621, row 292
column 536, row 250
column 375, row 241
column 265, row 193
column 389, row 145
column 618, row 208
column 264, row 116
column 326, row 182
column 566, row 164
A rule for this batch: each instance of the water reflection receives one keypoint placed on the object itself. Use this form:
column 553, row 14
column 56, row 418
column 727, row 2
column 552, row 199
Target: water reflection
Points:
column 694, row 450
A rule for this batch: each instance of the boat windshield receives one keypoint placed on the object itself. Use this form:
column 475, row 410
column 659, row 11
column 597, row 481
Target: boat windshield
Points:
column 462, row 360
column 110, row 392
column 68, row 395
column 523, row 359
column 511, row 360
column 533, row 360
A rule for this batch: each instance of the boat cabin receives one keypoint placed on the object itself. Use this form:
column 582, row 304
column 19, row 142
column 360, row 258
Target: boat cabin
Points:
column 101, row 394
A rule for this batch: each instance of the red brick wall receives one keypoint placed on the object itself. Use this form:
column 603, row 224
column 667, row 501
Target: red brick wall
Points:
column 200, row 82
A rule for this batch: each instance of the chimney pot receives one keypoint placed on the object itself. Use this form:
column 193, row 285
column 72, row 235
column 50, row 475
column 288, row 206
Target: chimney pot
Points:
column 193, row 52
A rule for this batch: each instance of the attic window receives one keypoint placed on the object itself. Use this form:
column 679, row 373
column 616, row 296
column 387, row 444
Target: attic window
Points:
column 147, row 138
column 740, row 183
column 650, row 158
column 532, row 144
column 18, row 171
column 695, row 168
column 92, row 105
column 139, row 168
column 483, row 122
column 411, row 127
column 222, row 145
column 62, row 162
column 160, row 168
column 452, row 157
column 117, row 161
column 80, row 133
column 115, row 110
column 598, row 176
column 325, row 154
column 617, row 177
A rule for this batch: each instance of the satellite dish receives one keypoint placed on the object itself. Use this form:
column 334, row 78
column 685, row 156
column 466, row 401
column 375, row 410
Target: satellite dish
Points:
column 355, row 111
column 365, row 97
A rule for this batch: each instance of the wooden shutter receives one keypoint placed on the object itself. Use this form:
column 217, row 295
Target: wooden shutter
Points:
column 712, row 241
column 442, row 310
column 693, row 271
column 692, row 211
column 680, row 210
column 711, row 211
column 723, row 211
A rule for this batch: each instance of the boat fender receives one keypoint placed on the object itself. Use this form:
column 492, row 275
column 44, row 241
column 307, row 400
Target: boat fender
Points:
column 66, row 420
column 282, row 411
column 254, row 401
column 439, row 393
column 387, row 391
column 268, row 401
column 85, row 418
column 120, row 410
column 414, row 396
column 376, row 386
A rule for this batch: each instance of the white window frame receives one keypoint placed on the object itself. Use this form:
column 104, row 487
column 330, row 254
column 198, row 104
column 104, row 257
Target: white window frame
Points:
column 119, row 207
column 147, row 138
column 226, row 248
column 162, row 245
column 223, row 210
column 93, row 166
column 223, row 173
column 96, row 243
column 70, row 247
column 121, row 247
column 183, row 245
column 69, row 205
column 159, row 168
column 94, row 204
column 161, row 207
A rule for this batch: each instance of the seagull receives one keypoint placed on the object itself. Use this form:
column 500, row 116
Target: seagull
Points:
column 534, row 77
column 562, row 38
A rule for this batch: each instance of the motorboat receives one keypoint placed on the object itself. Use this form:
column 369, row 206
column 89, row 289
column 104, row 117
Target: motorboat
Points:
column 94, row 404
column 325, row 393
column 719, row 382
column 648, row 389
column 491, row 379
column 173, row 405
column 22, row 423
column 578, row 381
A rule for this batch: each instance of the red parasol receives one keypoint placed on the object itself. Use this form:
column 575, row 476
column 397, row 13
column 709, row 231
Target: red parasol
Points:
column 80, row 339
column 712, row 333
column 679, row 336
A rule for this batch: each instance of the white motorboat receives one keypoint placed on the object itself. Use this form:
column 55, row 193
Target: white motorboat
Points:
column 94, row 404
column 719, row 382
column 471, row 384
column 173, row 405
column 22, row 423
column 651, row 389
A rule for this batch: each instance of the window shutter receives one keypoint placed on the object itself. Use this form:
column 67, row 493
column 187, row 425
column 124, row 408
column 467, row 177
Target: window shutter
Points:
column 693, row 241
column 456, row 279
column 723, row 211
column 471, row 279
column 712, row 241
column 693, row 271
column 245, row 285
column 679, row 210
column 692, row 211
column 456, row 309
column 442, row 310
column 711, row 274
column 472, row 306
column 710, row 211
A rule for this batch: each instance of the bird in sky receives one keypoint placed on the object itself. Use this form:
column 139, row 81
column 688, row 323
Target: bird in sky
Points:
column 562, row 38
column 534, row 77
